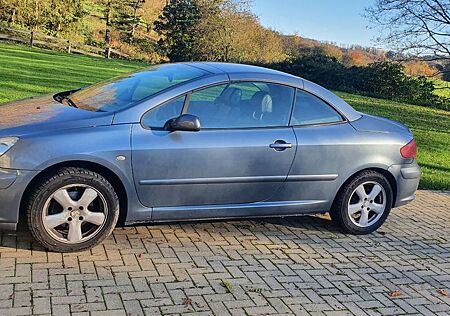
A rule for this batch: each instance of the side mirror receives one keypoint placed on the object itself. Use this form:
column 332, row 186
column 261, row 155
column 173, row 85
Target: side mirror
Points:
column 185, row 122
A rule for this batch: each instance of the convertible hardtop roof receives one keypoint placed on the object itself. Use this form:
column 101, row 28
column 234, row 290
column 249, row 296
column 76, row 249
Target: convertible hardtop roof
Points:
column 230, row 68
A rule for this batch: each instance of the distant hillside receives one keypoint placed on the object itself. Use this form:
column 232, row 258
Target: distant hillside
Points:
column 356, row 55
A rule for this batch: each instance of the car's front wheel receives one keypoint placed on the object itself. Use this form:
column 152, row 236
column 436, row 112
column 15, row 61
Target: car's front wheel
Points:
column 363, row 203
column 72, row 210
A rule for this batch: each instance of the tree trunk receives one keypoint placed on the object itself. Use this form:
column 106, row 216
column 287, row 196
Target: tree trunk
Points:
column 13, row 17
column 107, row 29
column 36, row 14
column 133, row 25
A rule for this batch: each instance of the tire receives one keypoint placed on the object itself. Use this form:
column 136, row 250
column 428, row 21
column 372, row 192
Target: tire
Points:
column 81, row 203
column 351, row 206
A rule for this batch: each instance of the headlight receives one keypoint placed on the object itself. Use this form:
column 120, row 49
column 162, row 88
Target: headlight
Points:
column 6, row 143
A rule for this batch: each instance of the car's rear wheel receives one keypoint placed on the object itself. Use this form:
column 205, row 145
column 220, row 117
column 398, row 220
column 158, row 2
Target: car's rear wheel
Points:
column 363, row 203
column 72, row 210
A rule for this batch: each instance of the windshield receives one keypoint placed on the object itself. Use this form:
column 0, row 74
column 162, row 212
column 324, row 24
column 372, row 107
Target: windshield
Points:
column 123, row 92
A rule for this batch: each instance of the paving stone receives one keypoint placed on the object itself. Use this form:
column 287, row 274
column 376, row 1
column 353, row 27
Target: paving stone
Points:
column 292, row 266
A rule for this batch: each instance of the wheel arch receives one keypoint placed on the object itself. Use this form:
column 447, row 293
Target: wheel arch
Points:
column 109, row 175
column 389, row 176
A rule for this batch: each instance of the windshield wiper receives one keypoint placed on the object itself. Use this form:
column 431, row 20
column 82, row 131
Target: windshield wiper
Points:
column 70, row 102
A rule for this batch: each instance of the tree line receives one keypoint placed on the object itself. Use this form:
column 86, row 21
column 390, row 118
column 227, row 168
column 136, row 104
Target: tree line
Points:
column 227, row 31
column 153, row 30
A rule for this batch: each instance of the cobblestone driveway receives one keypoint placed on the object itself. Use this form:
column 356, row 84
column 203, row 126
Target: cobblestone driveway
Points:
column 273, row 266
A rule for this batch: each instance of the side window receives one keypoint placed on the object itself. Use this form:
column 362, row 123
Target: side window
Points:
column 158, row 116
column 310, row 110
column 242, row 105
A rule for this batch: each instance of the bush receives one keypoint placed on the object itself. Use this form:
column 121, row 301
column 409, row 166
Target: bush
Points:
column 318, row 68
column 385, row 80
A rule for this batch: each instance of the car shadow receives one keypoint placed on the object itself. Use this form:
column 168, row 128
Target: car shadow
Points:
column 22, row 239
column 309, row 222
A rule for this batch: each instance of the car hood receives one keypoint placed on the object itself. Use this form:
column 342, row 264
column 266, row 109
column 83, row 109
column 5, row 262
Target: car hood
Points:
column 372, row 123
column 41, row 114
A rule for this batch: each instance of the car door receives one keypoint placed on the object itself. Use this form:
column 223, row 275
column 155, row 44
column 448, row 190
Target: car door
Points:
column 326, row 151
column 242, row 154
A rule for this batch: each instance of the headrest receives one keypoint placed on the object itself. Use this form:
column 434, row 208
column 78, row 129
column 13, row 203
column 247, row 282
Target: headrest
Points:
column 262, row 101
column 230, row 96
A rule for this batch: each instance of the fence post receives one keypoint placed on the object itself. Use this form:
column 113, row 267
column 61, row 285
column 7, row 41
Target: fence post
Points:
column 108, row 52
column 69, row 48
column 31, row 38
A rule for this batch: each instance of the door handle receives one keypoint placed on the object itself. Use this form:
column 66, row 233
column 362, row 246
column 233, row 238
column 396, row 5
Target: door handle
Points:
column 280, row 145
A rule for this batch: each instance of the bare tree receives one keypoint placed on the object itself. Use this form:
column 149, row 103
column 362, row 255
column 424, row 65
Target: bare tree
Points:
column 416, row 28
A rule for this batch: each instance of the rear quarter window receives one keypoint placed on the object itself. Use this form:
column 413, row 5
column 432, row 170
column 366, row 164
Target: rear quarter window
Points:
column 311, row 110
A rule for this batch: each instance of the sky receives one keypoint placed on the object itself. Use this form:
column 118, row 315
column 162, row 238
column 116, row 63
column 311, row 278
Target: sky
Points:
column 339, row 21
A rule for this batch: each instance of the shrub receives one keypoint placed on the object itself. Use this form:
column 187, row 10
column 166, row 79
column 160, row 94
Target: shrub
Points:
column 385, row 80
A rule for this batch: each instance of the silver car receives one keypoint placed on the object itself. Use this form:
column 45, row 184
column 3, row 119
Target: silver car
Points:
column 194, row 141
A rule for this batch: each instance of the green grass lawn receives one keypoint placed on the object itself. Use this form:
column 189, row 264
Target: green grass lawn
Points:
column 28, row 72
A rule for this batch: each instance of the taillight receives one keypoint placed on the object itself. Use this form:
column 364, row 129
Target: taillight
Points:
column 409, row 150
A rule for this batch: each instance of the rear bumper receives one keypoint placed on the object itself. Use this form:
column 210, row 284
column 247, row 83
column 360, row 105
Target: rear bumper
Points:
column 12, row 186
column 408, row 178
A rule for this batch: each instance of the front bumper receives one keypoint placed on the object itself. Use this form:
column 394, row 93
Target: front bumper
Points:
column 12, row 186
column 407, row 177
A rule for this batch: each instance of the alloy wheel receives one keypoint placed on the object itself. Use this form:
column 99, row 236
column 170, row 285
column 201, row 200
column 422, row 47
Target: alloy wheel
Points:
column 367, row 204
column 74, row 213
